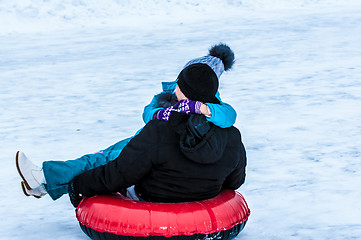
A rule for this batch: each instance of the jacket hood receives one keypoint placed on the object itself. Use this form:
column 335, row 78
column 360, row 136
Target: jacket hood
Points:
column 200, row 141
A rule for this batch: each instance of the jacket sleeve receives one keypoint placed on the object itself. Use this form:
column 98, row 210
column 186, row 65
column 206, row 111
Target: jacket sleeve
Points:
column 134, row 162
column 150, row 110
column 223, row 114
column 238, row 175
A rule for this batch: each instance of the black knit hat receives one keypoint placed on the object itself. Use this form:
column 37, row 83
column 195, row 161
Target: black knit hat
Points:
column 199, row 82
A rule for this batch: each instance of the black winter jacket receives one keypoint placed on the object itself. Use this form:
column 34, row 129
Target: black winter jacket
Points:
column 184, row 159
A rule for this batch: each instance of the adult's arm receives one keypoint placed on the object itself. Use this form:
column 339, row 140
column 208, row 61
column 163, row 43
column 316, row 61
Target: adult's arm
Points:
column 238, row 175
column 134, row 162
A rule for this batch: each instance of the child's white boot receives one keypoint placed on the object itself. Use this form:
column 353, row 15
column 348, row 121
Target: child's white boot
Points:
column 32, row 175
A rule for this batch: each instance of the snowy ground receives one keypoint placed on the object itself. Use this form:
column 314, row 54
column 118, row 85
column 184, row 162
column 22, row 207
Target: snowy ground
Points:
column 75, row 75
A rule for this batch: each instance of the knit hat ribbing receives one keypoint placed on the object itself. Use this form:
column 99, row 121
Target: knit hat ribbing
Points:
column 199, row 82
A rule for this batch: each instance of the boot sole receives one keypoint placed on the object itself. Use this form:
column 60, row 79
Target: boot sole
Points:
column 21, row 175
column 24, row 191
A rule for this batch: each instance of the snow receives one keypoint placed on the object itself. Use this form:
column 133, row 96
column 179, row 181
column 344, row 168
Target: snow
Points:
column 75, row 76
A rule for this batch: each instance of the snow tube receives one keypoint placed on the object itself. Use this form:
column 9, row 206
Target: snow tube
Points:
column 118, row 217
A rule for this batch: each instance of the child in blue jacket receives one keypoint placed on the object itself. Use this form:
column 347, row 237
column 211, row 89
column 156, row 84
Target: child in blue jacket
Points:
column 54, row 176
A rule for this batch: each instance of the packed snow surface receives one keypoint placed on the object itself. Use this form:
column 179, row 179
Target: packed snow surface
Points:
column 75, row 76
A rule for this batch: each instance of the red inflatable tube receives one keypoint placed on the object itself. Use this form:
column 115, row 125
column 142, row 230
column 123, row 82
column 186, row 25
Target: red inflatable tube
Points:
column 118, row 217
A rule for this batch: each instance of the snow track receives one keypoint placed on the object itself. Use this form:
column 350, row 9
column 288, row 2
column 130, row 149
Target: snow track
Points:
column 75, row 76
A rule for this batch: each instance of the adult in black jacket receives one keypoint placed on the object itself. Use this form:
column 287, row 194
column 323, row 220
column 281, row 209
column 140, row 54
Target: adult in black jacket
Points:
column 183, row 159
column 165, row 168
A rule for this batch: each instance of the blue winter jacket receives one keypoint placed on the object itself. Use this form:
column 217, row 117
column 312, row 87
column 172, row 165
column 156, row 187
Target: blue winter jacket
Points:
column 223, row 114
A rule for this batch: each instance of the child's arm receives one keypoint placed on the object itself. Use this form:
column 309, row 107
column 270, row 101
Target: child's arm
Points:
column 162, row 100
column 154, row 105
column 222, row 115
column 150, row 110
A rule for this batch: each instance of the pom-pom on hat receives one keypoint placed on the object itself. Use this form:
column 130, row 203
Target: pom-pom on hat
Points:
column 199, row 78
column 220, row 59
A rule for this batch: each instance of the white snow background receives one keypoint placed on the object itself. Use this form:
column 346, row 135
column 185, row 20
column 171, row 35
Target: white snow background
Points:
column 75, row 76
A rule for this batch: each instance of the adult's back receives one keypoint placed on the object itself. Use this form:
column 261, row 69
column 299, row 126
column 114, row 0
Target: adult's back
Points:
column 184, row 159
column 188, row 166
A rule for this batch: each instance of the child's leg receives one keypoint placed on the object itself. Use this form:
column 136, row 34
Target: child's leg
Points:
column 59, row 173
